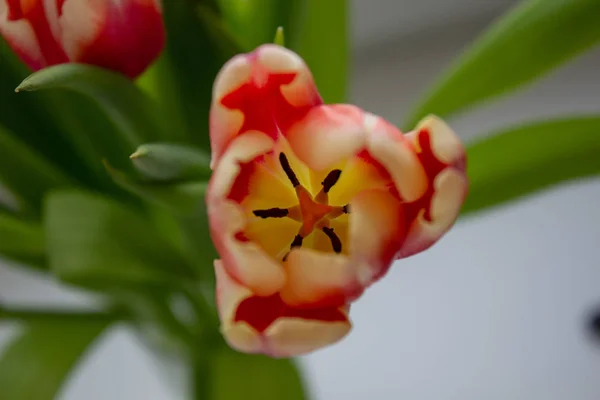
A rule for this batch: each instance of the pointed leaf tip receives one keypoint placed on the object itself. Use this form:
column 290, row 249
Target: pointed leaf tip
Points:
column 279, row 37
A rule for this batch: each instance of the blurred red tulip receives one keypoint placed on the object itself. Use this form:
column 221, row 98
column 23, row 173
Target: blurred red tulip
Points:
column 122, row 35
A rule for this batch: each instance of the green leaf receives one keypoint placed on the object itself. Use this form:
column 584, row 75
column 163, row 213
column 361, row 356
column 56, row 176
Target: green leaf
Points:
column 194, row 60
column 37, row 364
column 532, row 39
column 237, row 376
column 180, row 197
column 279, row 37
column 323, row 43
column 525, row 159
column 33, row 119
column 27, row 174
column 22, row 241
column 133, row 113
column 226, row 42
column 37, row 316
column 254, row 22
column 170, row 162
column 96, row 242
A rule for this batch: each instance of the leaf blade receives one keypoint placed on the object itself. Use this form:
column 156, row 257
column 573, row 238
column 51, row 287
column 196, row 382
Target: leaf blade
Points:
column 37, row 364
column 530, row 40
column 129, row 109
column 323, row 43
column 96, row 242
column 524, row 159
column 27, row 174
column 22, row 241
column 257, row 377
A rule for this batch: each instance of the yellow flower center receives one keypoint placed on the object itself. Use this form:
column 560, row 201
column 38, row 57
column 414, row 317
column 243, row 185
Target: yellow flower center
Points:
column 313, row 212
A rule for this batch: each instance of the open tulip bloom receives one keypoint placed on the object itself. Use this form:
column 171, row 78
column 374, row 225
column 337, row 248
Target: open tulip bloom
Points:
column 309, row 204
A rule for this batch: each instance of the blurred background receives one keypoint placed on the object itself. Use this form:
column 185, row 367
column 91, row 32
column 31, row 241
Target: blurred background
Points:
column 498, row 309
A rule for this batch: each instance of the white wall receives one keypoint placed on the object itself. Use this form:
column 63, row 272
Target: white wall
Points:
column 496, row 310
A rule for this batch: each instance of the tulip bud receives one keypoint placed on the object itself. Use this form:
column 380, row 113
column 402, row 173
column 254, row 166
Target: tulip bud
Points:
column 124, row 35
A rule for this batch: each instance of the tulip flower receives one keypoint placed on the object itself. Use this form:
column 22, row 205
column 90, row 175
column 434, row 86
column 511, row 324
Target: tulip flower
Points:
column 309, row 204
column 122, row 35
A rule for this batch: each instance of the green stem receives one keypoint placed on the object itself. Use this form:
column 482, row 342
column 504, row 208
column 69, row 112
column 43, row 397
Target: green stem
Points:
column 41, row 315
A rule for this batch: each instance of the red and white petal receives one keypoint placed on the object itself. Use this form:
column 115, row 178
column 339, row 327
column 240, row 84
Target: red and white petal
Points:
column 229, row 295
column 21, row 38
column 124, row 36
column 328, row 135
column 25, row 27
column 267, row 325
column 244, row 259
column 318, row 279
column 449, row 192
column 290, row 337
column 266, row 90
column 434, row 137
column 377, row 231
column 387, row 145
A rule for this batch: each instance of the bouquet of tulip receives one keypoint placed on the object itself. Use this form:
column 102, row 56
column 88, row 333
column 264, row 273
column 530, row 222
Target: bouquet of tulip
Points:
column 201, row 174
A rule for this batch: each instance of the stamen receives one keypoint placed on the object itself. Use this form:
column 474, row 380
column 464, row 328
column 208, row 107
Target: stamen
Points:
column 297, row 242
column 346, row 209
column 336, row 243
column 271, row 213
column 285, row 164
column 331, row 179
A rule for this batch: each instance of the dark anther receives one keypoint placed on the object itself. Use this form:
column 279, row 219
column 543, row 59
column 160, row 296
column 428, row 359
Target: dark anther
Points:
column 297, row 242
column 271, row 213
column 336, row 243
column 331, row 179
column 346, row 209
column 285, row 164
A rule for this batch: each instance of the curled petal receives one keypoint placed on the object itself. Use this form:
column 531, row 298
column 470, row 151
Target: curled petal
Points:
column 449, row 192
column 389, row 147
column 266, row 90
column 245, row 260
column 443, row 157
column 267, row 325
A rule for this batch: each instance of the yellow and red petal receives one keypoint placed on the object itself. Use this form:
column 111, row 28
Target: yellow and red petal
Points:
column 266, row 90
column 244, row 259
column 267, row 325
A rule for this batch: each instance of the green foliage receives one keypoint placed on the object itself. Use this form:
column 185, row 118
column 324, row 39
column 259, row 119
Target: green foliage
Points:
column 529, row 158
column 167, row 162
column 22, row 241
column 96, row 242
column 36, row 365
column 531, row 40
column 324, row 45
column 254, row 22
column 237, row 376
column 136, row 117
column 26, row 173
